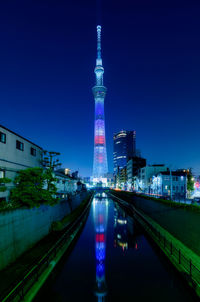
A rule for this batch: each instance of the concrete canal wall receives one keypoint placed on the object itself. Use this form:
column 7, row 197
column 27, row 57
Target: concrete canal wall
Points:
column 165, row 230
column 182, row 223
column 20, row 229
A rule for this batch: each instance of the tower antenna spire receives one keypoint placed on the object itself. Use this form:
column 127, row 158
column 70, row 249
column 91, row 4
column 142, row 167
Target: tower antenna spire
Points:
column 99, row 59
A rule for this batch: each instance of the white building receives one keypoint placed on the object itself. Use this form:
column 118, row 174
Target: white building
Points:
column 16, row 153
column 65, row 184
column 144, row 180
column 163, row 181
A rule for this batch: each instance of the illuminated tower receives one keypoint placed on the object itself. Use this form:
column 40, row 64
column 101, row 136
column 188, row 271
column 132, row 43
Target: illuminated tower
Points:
column 100, row 166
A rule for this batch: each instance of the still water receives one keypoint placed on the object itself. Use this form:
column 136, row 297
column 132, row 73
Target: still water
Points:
column 113, row 261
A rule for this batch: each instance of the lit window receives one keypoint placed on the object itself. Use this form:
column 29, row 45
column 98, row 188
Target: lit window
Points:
column 2, row 174
column 19, row 145
column 2, row 137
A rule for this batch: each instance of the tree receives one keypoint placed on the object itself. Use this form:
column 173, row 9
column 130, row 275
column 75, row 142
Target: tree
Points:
column 30, row 189
column 3, row 182
column 190, row 181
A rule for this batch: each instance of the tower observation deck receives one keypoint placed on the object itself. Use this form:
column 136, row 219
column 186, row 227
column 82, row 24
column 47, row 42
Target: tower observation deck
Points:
column 100, row 166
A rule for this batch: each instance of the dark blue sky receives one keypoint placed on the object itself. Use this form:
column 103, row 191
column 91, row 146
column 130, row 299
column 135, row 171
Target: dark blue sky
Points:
column 151, row 57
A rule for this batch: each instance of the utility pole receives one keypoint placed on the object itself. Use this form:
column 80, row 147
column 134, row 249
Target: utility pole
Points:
column 171, row 183
column 48, row 161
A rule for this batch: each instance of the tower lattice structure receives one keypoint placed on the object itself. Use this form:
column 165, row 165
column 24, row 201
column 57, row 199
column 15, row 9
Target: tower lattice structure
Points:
column 100, row 165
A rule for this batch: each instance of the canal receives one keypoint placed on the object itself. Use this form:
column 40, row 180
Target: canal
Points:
column 112, row 261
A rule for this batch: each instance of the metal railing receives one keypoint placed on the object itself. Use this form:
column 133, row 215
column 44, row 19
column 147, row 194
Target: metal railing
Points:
column 18, row 292
column 179, row 257
column 191, row 271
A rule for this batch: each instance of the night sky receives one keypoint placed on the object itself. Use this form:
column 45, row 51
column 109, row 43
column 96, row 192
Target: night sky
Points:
column 151, row 57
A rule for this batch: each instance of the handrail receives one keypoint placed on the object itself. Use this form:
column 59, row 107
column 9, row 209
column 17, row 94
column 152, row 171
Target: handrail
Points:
column 45, row 259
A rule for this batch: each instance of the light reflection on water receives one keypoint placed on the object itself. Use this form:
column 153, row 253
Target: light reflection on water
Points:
column 123, row 230
column 100, row 215
column 113, row 261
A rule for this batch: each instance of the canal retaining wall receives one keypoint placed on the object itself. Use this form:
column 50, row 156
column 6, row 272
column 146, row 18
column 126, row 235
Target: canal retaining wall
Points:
column 184, row 259
column 182, row 223
column 20, row 229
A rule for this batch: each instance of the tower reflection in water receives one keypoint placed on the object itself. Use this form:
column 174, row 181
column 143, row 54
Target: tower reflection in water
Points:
column 125, row 231
column 100, row 214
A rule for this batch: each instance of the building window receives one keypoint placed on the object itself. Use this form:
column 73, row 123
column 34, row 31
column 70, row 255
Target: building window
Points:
column 2, row 174
column 2, row 137
column 19, row 145
column 33, row 151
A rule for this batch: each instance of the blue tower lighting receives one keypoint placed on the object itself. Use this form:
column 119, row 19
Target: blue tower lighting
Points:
column 100, row 165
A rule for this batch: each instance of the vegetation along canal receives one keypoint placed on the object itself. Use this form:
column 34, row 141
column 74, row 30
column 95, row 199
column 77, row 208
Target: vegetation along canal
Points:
column 112, row 261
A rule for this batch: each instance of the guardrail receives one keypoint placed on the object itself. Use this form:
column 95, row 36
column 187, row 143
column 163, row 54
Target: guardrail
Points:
column 192, row 272
column 19, row 291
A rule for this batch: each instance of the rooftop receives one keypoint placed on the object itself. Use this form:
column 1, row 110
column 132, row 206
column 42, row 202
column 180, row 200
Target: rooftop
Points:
column 20, row 136
column 174, row 173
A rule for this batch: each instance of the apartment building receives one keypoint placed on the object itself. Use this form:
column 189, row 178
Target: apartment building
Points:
column 16, row 153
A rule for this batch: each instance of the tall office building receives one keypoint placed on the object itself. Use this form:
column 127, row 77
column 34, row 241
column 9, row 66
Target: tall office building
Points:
column 100, row 166
column 124, row 148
